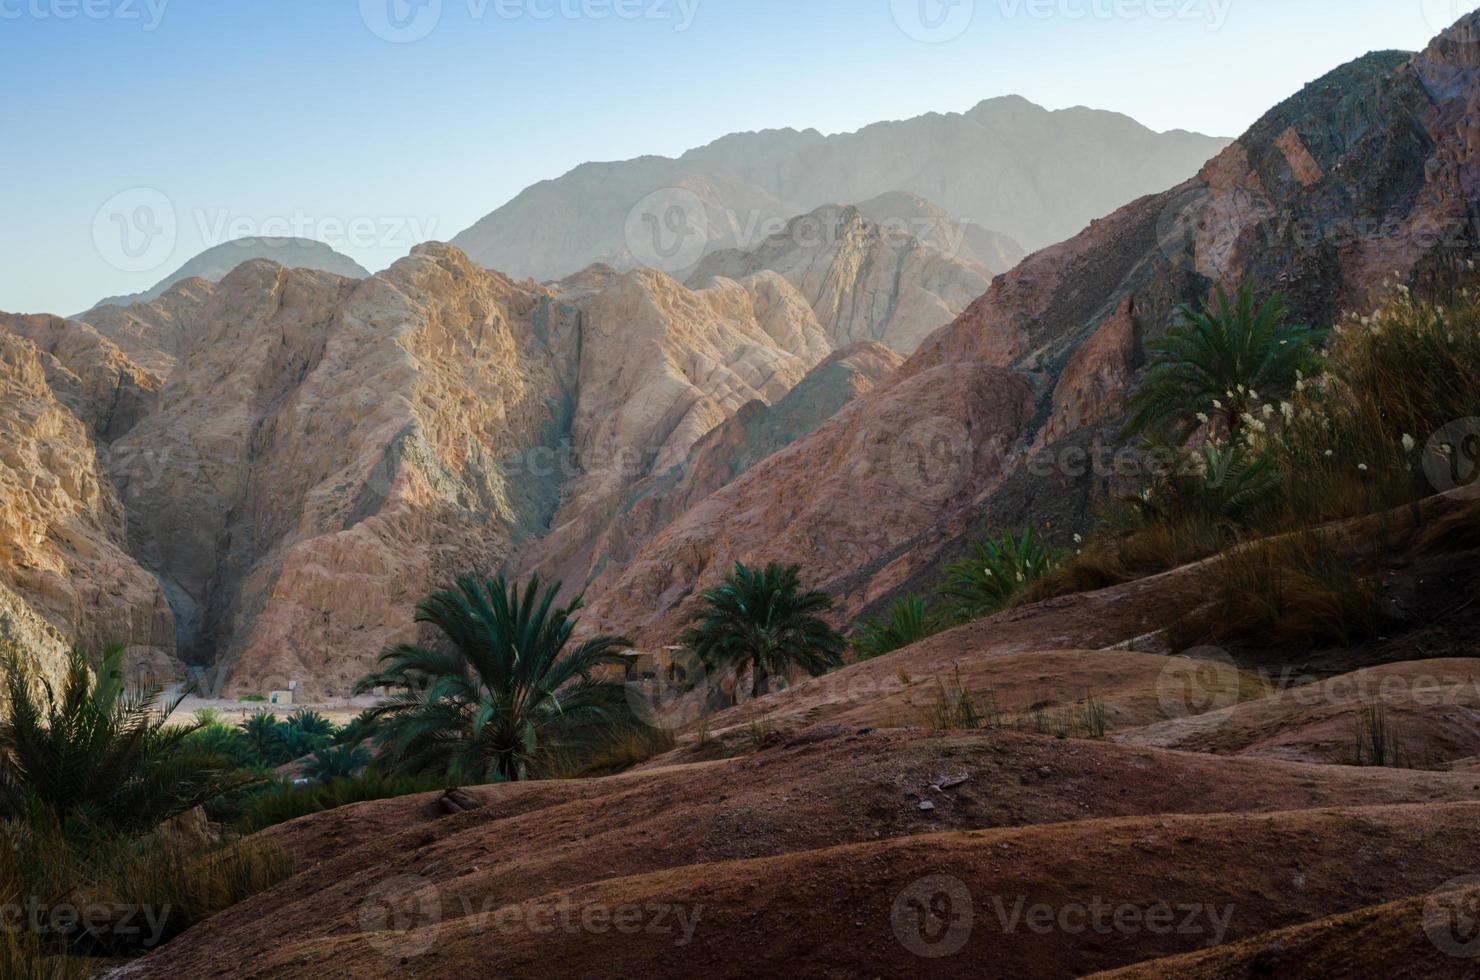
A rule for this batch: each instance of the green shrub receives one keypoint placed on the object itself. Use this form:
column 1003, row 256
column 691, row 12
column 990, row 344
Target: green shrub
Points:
column 284, row 801
column 908, row 622
column 340, row 762
column 996, row 574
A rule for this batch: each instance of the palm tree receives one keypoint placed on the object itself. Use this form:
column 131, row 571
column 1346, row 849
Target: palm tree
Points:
column 908, row 622
column 100, row 753
column 507, row 697
column 762, row 620
column 1215, row 364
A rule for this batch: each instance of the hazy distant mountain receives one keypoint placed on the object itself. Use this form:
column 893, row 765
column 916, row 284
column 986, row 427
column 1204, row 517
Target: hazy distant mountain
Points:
column 215, row 263
column 1008, row 165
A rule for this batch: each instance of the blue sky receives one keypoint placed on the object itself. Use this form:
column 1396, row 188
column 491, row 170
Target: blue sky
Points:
column 286, row 115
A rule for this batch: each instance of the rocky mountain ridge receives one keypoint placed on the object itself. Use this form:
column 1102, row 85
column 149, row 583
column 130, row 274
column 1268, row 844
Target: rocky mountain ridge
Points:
column 1005, row 165
column 1366, row 176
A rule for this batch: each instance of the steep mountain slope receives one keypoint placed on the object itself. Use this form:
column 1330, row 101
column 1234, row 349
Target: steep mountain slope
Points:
column 1042, row 361
column 63, row 540
column 153, row 333
column 308, row 455
column 865, row 281
column 215, row 262
column 590, row 534
column 1006, row 165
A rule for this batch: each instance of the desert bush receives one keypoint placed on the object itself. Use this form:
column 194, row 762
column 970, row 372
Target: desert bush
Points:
column 286, row 801
column 762, row 620
column 908, row 621
column 616, row 751
column 160, row 883
column 1352, row 441
column 955, row 708
column 1292, row 589
column 1375, row 742
column 511, row 698
column 999, row 570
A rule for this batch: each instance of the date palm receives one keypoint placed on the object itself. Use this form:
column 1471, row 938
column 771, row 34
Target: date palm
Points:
column 101, row 753
column 762, row 620
column 1215, row 362
column 505, row 696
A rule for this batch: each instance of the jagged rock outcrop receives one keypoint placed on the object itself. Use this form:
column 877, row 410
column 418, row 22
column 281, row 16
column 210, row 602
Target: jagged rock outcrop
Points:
column 63, row 543
column 153, row 333
column 1368, row 175
column 322, row 452
column 327, row 451
column 88, row 373
column 34, row 641
column 216, row 262
column 864, row 280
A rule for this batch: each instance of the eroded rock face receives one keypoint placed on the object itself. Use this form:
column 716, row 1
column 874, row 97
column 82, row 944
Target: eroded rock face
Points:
column 610, row 531
column 153, row 333
column 865, row 281
column 63, row 545
column 324, row 452
column 1333, row 192
column 327, row 451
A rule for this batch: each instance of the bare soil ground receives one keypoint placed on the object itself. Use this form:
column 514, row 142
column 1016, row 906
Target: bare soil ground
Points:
column 829, row 831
